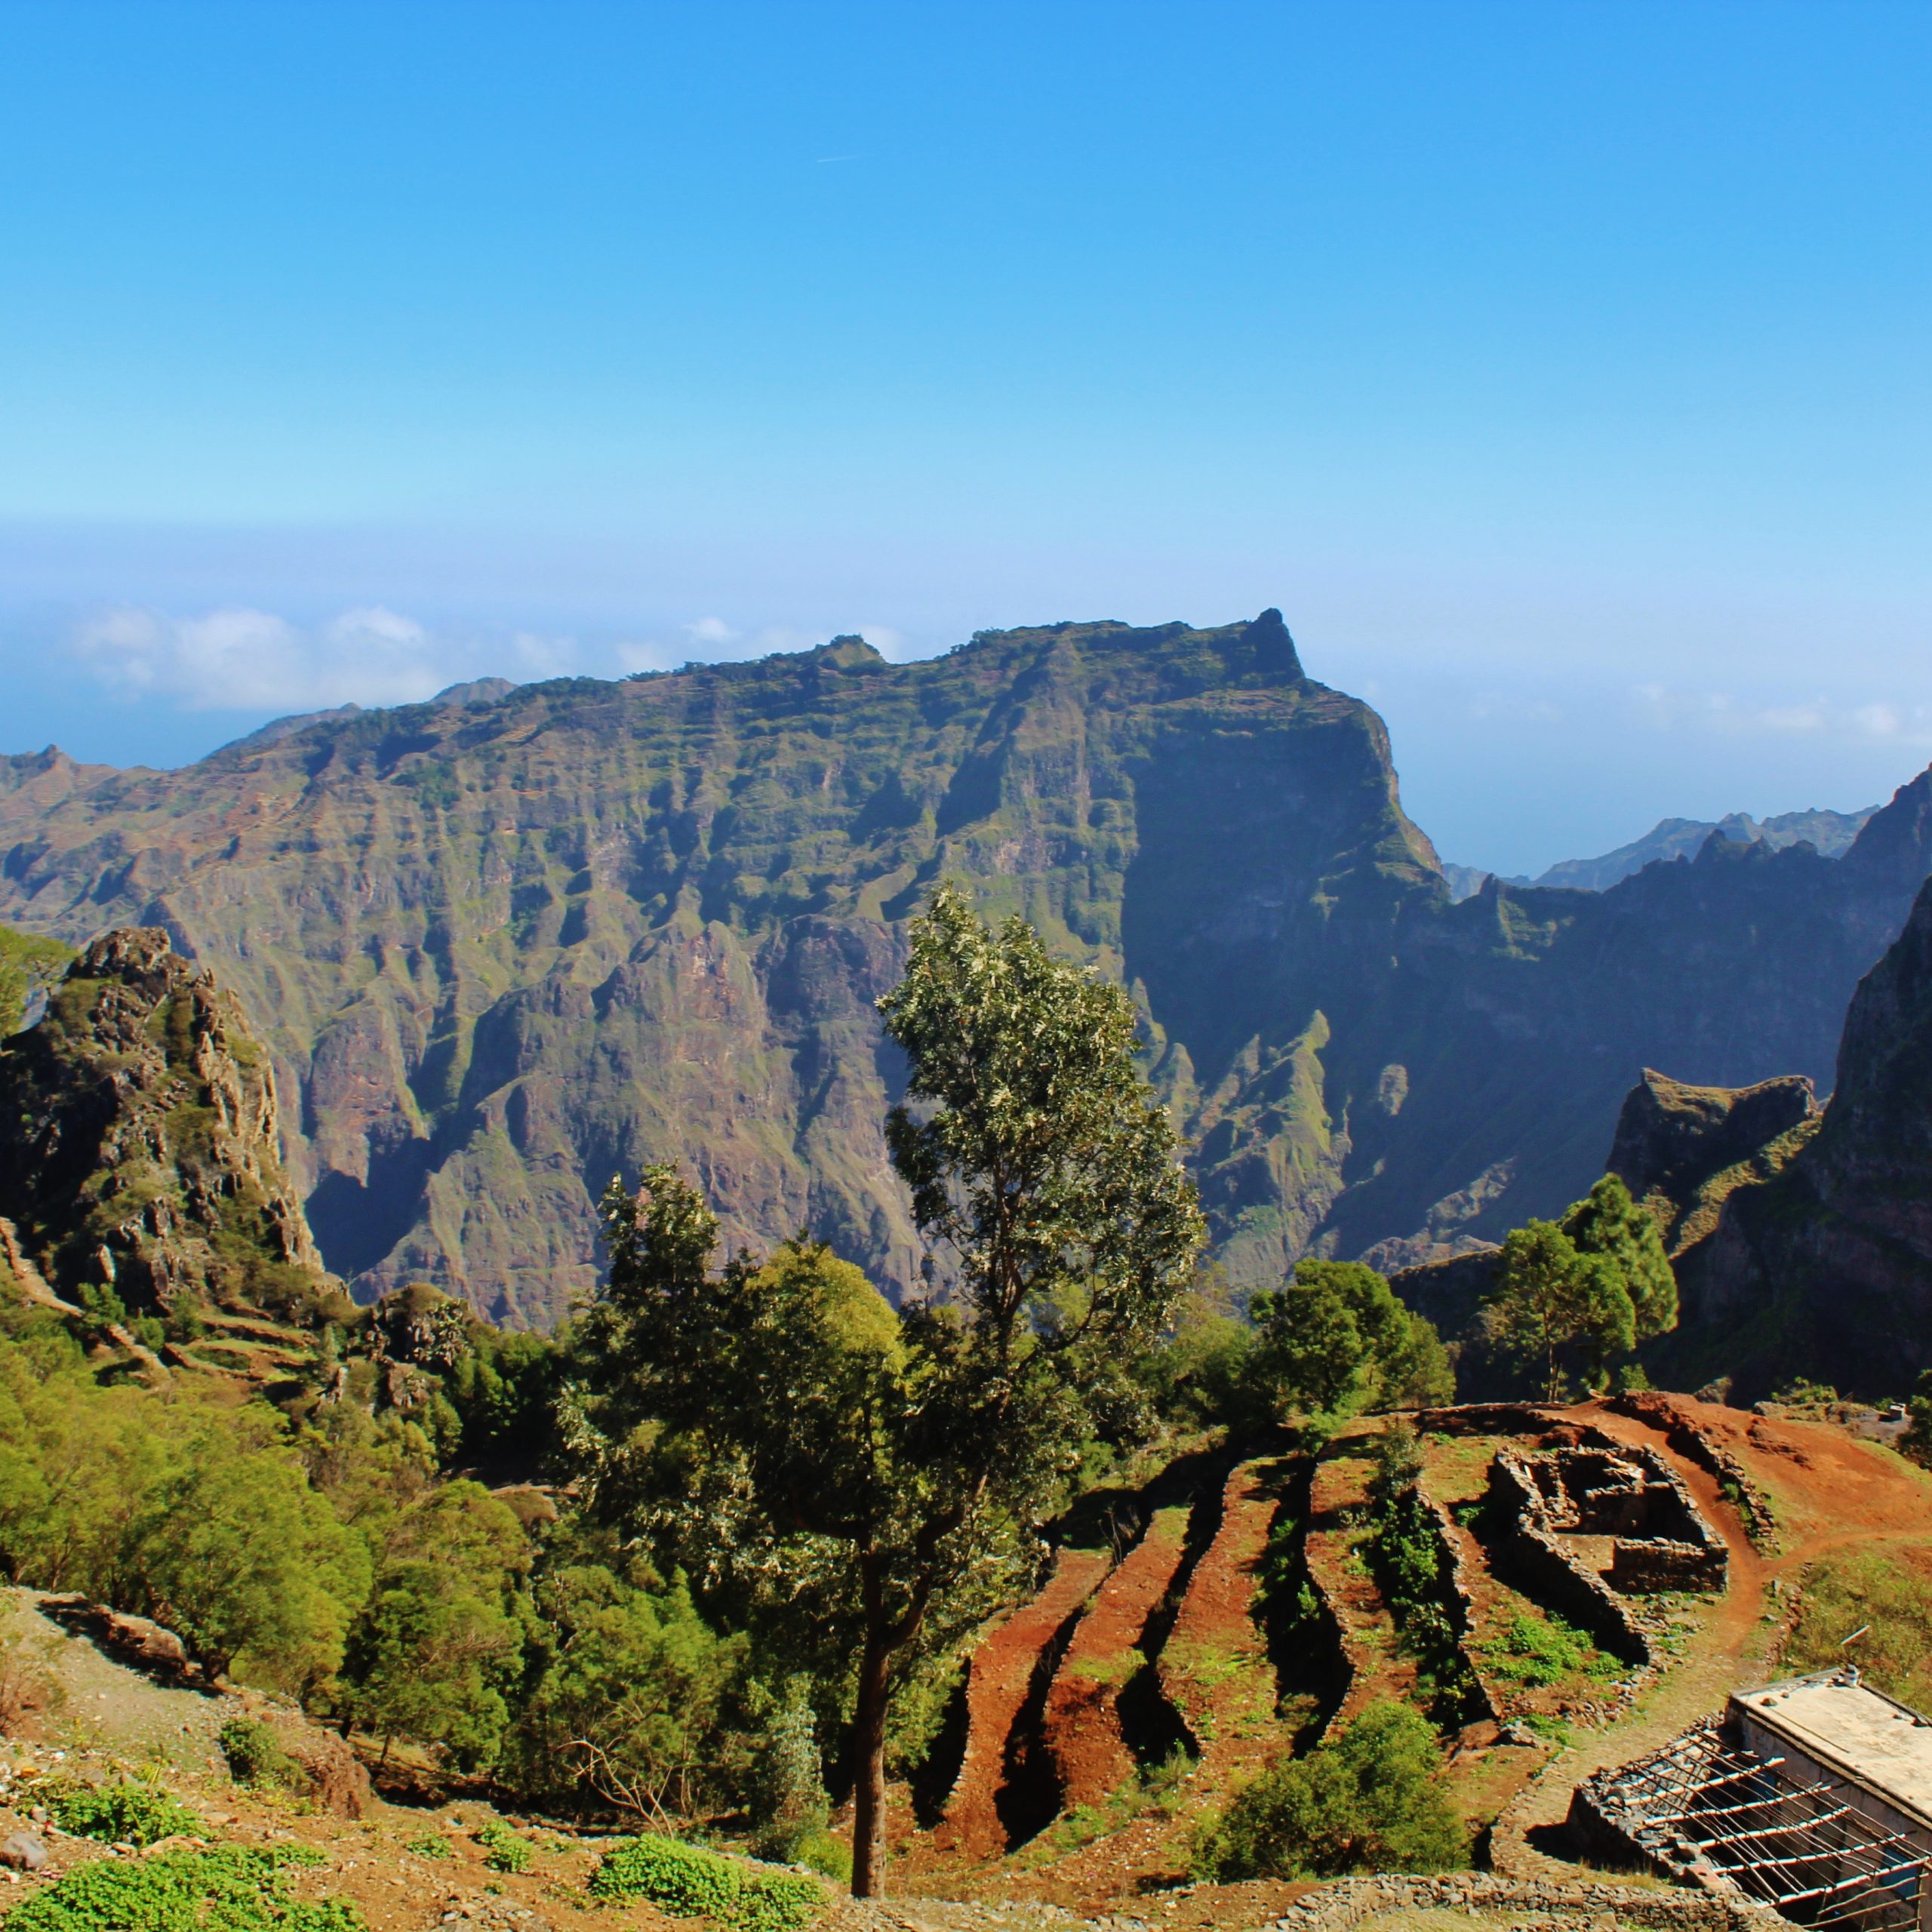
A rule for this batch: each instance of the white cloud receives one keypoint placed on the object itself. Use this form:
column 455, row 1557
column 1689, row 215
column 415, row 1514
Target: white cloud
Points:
column 1724, row 714
column 244, row 660
column 710, row 630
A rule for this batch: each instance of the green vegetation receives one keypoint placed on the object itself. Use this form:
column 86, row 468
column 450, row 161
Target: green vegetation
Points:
column 29, row 967
column 689, row 1881
column 255, row 1757
column 128, row 1813
column 181, row 1891
column 1888, row 1594
column 1415, row 1573
column 504, row 1850
column 1336, row 1341
column 440, row 1639
column 1540, row 1648
column 1801, row 1393
column 898, row 1459
column 1371, row 1800
column 1591, row 1287
column 429, row 1845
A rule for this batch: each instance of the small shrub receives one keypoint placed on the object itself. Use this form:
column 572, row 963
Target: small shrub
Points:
column 1801, row 1393
column 778, row 1902
column 124, row 1814
column 689, row 1882
column 1370, row 1801
column 181, row 1891
column 255, row 1756
column 1536, row 1651
column 504, row 1851
column 825, row 1853
column 430, row 1845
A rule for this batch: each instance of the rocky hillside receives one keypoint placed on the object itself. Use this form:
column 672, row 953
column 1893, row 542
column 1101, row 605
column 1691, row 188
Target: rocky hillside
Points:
column 507, row 942
column 1803, row 1240
column 140, row 1145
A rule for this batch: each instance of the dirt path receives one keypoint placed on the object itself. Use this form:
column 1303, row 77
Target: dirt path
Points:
column 997, row 1684
column 1831, row 1491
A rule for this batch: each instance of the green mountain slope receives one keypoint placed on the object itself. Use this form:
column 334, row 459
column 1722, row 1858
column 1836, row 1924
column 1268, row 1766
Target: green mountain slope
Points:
column 506, row 943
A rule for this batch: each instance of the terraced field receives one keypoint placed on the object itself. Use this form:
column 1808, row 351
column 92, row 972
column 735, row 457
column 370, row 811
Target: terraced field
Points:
column 1242, row 1613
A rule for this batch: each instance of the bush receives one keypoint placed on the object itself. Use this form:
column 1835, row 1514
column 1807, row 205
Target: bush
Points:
column 787, row 1795
column 1536, row 1651
column 124, row 1814
column 254, row 1755
column 689, row 1882
column 825, row 1853
column 430, row 1845
column 505, row 1851
column 1370, row 1801
column 181, row 1891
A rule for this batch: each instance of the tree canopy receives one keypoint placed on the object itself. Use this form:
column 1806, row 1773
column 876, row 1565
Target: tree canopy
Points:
column 898, row 1462
column 1335, row 1340
column 1593, row 1286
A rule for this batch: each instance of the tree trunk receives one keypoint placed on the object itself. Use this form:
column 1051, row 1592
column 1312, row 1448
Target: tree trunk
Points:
column 869, row 1748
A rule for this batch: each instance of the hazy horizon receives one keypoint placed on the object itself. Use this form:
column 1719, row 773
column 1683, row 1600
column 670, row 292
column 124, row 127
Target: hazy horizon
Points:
column 1559, row 372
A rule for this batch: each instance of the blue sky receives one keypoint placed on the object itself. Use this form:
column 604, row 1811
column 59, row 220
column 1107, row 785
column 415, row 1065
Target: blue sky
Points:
column 1559, row 370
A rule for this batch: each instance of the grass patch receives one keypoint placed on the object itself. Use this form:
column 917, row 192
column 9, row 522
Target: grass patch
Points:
column 1891, row 1591
column 689, row 1881
column 233, row 1890
column 1537, row 1650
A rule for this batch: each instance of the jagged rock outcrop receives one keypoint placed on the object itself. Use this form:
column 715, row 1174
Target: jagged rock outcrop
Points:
column 506, row 943
column 140, row 1143
column 1680, row 1149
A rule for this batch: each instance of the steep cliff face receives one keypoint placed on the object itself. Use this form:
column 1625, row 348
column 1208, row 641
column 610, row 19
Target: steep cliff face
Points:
column 140, row 1143
column 1810, row 1252
column 507, row 942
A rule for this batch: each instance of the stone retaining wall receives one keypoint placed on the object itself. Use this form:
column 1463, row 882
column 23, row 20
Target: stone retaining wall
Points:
column 1348, row 1902
column 1555, row 1576
column 1698, row 1445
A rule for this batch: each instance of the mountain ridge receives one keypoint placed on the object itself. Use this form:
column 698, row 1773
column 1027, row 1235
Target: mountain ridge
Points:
column 503, row 949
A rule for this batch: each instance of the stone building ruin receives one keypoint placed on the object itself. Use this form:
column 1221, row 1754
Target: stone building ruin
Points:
column 1812, row 1796
column 1658, row 1541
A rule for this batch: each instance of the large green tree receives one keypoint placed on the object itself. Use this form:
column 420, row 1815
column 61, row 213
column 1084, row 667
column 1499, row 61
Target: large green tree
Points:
column 1549, row 1299
column 440, row 1639
column 1607, row 1222
column 902, row 1461
column 1592, row 1285
column 1336, row 1340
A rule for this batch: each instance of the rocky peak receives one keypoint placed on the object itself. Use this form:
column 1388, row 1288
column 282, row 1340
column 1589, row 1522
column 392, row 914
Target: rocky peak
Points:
column 140, row 1139
column 1671, row 1136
